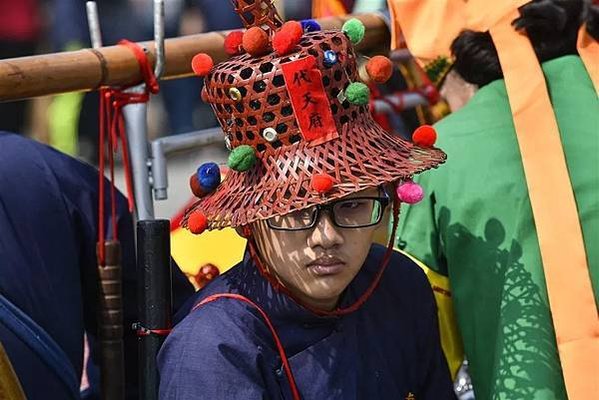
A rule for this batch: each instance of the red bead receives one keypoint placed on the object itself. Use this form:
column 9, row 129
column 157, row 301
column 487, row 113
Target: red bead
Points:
column 209, row 271
column 202, row 64
column 287, row 37
column 379, row 68
column 255, row 41
column 197, row 222
column 195, row 186
column 322, row 183
column 233, row 43
column 205, row 274
column 424, row 136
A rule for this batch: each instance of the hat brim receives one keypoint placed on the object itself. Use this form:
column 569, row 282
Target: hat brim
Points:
column 364, row 156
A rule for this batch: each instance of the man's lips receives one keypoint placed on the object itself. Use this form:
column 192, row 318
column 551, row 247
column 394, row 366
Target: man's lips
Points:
column 327, row 266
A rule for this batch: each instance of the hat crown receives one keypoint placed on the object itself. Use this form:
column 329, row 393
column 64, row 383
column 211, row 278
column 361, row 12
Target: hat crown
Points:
column 249, row 94
column 261, row 13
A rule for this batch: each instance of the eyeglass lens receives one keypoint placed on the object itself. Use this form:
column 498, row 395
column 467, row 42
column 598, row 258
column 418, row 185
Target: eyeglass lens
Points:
column 351, row 213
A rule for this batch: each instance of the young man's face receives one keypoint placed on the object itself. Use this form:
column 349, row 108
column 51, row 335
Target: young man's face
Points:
column 317, row 264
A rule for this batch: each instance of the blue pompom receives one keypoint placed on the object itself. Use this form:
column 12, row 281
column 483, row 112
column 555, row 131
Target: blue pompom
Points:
column 209, row 176
column 310, row 25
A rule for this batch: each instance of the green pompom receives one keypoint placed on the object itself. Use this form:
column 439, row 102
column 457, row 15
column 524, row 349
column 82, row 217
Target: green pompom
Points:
column 358, row 93
column 354, row 29
column 242, row 158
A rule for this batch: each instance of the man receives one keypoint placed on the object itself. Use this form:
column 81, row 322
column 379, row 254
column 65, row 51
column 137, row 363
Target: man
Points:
column 315, row 310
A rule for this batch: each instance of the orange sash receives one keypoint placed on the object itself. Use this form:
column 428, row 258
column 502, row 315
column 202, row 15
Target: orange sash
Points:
column 571, row 297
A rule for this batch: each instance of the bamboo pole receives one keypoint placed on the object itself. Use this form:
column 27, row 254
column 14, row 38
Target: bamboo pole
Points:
column 10, row 387
column 89, row 69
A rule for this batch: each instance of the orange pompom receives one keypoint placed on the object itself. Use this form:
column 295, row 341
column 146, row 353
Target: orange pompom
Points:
column 424, row 136
column 255, row 41
column 233, row 43
column 197, row 222
column 322, row 183
column 202, row 64
column 379, row 69
column 287, row 37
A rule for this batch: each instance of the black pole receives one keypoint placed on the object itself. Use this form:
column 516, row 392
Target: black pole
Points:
column 155, row 295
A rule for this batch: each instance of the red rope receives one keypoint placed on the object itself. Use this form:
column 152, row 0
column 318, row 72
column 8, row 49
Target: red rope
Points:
column 148, row 332
column 101, row 233
column 112, row 128
column 281, row 350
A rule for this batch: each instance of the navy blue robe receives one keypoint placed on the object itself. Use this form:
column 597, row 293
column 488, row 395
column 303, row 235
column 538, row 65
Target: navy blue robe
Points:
column 388, row 349
column 48, row 267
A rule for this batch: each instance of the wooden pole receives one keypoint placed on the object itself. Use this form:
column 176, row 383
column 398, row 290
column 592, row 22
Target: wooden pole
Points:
column 10, row 387
column 89, row 69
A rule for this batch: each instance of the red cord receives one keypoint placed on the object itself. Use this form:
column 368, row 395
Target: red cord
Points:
column 148, row 332
column 112, row 128
column 144, row 65
column 101, row 233
column 294, row 391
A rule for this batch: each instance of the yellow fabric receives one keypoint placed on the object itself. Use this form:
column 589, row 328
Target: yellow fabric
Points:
column 569, row 288
column 327, row 8
column 10, row 388
column 63, row 120
column 451, row 340
column 588, row 49
column 63, row 116
column 481, row 15
column 427, row 27
column 222, row 248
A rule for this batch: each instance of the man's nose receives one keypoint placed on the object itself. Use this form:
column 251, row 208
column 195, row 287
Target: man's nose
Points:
column 325, row 234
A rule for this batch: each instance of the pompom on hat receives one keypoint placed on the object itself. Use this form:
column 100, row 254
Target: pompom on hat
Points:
column 234, row 43
column 297, row 125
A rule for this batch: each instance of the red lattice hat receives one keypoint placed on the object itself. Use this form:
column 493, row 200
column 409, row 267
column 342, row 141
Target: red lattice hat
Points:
column 296, row 121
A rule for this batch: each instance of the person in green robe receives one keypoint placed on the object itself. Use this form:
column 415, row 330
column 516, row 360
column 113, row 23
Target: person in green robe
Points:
column 476, row 225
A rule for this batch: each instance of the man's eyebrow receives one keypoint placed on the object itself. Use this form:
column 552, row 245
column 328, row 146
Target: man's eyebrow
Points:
column 362, row 194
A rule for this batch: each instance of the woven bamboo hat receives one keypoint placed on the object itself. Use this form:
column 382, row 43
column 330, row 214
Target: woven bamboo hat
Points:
column 296, row 121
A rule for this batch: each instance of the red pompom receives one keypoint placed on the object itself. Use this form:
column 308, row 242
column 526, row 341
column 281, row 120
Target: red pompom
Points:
column 233, row 43
column 255, row 41
column 202, row 64
column 197, row 222
column 379, row 68
column 322, row 183
column 424, row 136
column 195, row 186
column 287, row 37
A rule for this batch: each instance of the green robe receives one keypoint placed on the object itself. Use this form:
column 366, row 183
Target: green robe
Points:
column 476, row 226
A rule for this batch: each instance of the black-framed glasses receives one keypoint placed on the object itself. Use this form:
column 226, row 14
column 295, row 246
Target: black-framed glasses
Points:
column 355, row 212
